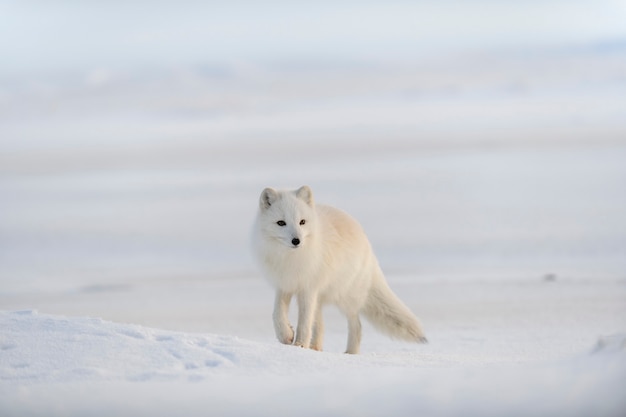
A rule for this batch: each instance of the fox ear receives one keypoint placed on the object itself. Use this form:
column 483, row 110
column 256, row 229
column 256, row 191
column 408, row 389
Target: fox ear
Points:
column 304, row 193
column 268, row 197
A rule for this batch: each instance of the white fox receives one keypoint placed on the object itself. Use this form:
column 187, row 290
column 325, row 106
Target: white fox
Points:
column 322, row 256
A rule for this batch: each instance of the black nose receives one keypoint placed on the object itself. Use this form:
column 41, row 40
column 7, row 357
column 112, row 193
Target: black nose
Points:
column 295, row 241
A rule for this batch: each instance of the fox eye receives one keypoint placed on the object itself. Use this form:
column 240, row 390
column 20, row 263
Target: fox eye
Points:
column 302, row 222
column 281, row 223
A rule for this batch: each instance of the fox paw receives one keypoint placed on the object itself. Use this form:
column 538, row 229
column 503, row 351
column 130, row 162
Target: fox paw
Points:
column 286, row 335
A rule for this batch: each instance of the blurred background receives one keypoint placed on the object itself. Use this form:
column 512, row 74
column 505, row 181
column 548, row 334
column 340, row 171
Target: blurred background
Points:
column 474, row 140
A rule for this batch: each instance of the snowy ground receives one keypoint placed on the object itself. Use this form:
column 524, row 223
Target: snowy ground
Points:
column 490, row 180
column 517, row 273
column 83, row 366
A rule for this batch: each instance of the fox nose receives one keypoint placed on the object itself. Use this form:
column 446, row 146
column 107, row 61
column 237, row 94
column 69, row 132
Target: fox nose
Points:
column 295, row 241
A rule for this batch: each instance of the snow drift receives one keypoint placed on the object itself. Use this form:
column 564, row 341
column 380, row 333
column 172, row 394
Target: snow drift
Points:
column 53, row 365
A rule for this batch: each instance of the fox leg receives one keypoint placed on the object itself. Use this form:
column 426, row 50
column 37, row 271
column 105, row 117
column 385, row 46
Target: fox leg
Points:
column 307, row 306
column 284, row 331
column 318, row 330
column 354, row 333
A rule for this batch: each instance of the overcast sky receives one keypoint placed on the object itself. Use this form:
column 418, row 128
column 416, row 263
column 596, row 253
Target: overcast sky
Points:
column 62, row 35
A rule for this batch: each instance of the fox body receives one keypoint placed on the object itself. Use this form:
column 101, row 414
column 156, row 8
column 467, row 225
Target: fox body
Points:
column 321, row 255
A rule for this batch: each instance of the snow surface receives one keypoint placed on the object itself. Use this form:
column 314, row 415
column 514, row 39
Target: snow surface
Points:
column 54, row 365
column 484, row 155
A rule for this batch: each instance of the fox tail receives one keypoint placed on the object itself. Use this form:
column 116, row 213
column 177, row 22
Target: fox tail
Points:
column 389, row 315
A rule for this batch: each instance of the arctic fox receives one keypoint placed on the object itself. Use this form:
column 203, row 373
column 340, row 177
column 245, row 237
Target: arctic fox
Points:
column 322, row 256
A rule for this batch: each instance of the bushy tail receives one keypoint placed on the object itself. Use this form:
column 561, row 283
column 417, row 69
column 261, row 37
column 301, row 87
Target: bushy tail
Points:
column 389, row 315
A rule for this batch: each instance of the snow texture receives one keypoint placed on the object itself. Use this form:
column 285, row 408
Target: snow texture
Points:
column 54, row 365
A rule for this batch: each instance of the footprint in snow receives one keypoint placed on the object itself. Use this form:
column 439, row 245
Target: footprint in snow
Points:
column 228, row 355
column 176, row 354
column 212, row 363
column 135, row 334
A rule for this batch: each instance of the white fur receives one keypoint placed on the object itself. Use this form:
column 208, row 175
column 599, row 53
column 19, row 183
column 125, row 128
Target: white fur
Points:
column 331, row 262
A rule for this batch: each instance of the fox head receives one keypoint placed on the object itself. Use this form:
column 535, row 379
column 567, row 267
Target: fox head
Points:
column 287, row 217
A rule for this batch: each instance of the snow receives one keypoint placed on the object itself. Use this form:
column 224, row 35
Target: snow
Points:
column 54, row 365
column 531, row 347
column 486, row 166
